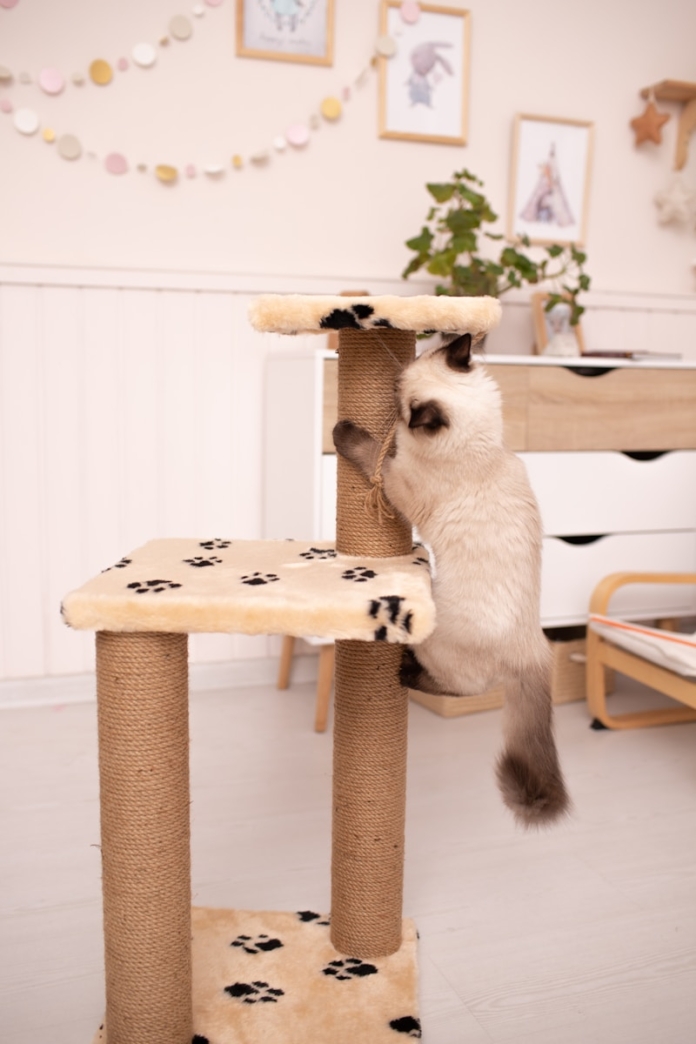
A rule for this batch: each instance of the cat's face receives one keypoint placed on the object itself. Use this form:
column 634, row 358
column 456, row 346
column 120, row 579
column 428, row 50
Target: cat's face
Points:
column 447, row 401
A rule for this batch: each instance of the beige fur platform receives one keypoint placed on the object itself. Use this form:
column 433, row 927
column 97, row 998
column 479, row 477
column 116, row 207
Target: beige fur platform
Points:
column 276, row 978
column 299, row 313
column 259, row 587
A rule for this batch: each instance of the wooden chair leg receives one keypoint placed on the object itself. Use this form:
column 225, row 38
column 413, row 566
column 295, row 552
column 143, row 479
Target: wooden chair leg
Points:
column 595, row 678
column 324, row 682
column 285, row 661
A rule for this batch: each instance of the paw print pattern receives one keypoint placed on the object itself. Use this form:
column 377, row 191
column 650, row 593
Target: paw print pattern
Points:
column 152, row 586
column 256, row 992
column 359, row 575
column 261, row 944
column 214, row 545
column 199, row 562
column 198, row 1039
column 351, row 967
column 121, row 564
column 407, row 1024
column 322, row 553
column 309, row 916
column 388, row 612
column 260, row 578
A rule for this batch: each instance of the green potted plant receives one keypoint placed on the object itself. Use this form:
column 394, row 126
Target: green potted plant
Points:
column 448, row 246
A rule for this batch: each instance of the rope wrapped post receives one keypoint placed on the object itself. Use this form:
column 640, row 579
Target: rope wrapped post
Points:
column 142, row 693
column 371, row 706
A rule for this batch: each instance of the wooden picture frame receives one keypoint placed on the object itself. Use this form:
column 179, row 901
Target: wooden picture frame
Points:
column 553, row 334
column 287, row 31
column 550, row 179
column 424, row 86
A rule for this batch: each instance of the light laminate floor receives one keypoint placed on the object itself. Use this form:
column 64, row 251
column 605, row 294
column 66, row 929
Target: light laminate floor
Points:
column 585, row 934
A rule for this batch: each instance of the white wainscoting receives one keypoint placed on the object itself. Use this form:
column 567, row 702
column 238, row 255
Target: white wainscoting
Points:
column 131, row 408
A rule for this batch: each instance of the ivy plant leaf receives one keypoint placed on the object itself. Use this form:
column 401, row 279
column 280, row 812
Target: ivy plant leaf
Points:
column 460, row 221
column 414, row 264
column 554, row 250
column 441, row 264
column 422, row 242
column 441, row 193
column 464, row 243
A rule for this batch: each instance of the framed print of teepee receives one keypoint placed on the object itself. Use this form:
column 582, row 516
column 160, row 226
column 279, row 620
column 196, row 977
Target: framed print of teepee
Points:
column 550, row 179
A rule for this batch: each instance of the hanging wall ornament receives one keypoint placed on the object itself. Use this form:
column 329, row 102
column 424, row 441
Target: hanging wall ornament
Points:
column 648, row 127
column 100, row 72
column 410, row 11
column 26, row 121
column 51, row 81
column 676, row 204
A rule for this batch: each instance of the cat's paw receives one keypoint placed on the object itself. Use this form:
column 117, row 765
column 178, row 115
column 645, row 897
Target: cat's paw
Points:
column 351, row 441
column 413, row 675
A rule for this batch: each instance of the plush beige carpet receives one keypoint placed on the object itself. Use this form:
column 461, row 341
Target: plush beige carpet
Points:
column 275, row 978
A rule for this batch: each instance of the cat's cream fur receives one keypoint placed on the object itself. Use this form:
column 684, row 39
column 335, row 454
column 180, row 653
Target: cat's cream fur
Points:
column 452, row 477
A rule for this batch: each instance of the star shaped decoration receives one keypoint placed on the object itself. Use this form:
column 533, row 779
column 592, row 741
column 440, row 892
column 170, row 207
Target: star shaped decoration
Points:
column 648, row 127
column 676, row 204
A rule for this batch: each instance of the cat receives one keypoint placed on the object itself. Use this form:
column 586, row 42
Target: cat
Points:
column 450, row 475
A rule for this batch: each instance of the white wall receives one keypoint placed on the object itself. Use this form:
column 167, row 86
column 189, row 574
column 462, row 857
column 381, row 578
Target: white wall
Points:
column 344, row 206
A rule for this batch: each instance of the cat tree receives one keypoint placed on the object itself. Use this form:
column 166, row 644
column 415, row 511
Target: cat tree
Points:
column 233, row 976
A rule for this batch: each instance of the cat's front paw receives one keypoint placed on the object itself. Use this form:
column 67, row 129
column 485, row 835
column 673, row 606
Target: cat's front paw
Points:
column 351, row 441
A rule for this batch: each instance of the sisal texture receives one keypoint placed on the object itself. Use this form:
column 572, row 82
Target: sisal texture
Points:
column 142, row 691
column 369, row 363
column 371, row 706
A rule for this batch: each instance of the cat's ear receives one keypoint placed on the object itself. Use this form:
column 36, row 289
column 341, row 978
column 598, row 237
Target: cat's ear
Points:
column 458, row 353
column 428, row 415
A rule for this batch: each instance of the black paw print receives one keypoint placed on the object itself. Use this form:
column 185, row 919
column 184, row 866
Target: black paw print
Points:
column 214, row 545
column 407, row 1024
column 321, row 553
column 388, row 610
column 309, row 916
column 119, row 565
column 260, row 578
column 359, row 575
column 350, row 968
column 261, row 944
column 152, row 586
column 200, row 562
column 254, row 992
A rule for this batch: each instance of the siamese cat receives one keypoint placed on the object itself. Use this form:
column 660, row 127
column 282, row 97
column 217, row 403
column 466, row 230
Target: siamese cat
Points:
column 451, row 476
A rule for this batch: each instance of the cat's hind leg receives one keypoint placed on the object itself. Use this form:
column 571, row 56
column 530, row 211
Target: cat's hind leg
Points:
column 413, row 675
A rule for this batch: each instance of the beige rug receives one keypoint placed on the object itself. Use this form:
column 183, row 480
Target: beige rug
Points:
column 275, row 978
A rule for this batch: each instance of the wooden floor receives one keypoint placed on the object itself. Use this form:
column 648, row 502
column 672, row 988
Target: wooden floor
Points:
column 585, row 934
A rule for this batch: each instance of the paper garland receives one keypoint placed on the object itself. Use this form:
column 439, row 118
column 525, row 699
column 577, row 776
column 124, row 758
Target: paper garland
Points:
column 101, row 73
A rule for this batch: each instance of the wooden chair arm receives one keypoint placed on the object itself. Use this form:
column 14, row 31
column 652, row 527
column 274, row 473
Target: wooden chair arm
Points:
column 601, row 596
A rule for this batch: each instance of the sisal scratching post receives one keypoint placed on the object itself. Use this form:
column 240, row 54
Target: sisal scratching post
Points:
column 371, row 707
column 142, row 690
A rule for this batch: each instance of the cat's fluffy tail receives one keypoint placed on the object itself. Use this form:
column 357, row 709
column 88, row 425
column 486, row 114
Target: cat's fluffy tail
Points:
column 528, row 770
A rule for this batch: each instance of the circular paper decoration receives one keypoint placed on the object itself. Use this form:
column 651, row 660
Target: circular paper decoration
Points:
column 214, row 170
column 69, row 147
column 190, row 171
column 101, row 72
column 237, row 162
column 24, row 77
column 166, row 174
column 8, row 3
column 410, row 12
column 48, row 135
column 144, row 55
column 213, row 3
column 198, row 10
column 5, row 74
column 78, row 79
column 345, row 93
column 116, row 163
column 5, row 105
column 331, row 108
column 315, row 121
column 298, row 135
column 26, row 121
column 280, row 144
column 386, row 46
column 260, row 157
column 122, row 64
column 141, row 168
column 180, row 28
column 51, row 81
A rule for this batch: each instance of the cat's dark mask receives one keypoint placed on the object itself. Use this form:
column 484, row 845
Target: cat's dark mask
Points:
column 428, row 415
column 458, row 353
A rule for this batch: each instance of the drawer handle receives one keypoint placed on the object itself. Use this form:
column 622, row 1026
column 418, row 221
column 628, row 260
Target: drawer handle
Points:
column 590, row 371
column 644, row 454
column 585, row 538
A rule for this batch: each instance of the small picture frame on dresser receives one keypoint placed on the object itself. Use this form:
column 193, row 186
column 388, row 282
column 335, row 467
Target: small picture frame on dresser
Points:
column 553, row 333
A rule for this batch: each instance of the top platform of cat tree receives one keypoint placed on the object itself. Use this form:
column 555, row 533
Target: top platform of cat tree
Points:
column 300, row 313
column 259, row 587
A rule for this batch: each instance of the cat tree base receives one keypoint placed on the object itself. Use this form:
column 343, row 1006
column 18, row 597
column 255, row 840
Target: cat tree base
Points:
column 275, row 978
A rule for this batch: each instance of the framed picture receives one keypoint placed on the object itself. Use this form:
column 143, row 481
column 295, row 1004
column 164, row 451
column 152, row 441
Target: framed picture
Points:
column 553, row 333
column 550, row 179
column 424, row 86
column 286, row 30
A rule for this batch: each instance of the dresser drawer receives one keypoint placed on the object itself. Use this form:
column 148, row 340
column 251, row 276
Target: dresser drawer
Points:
column 571, row 571
column 606, row 492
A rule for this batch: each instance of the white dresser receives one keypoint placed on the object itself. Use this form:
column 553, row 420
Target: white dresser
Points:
column 610, row 450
